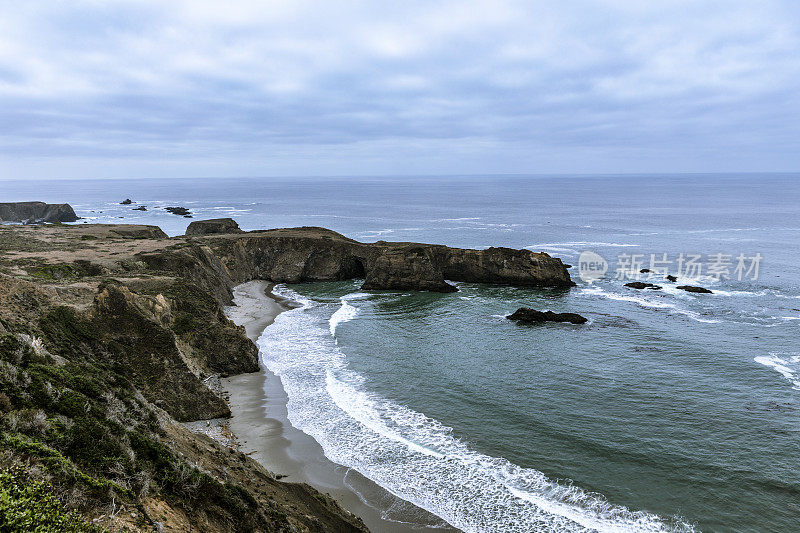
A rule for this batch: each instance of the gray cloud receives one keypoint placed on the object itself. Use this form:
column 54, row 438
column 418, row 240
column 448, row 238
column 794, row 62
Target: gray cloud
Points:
column 290, row 87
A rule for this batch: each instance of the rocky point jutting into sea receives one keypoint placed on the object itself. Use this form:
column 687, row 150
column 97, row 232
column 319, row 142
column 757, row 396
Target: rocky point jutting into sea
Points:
column 110, row 336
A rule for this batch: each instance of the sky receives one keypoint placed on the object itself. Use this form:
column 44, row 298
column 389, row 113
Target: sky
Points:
column 191, row 88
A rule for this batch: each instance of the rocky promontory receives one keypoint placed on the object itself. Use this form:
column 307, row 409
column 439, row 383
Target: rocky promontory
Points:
column 36, row 212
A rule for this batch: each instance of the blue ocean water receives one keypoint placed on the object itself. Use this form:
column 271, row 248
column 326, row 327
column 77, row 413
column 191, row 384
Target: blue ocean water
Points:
column 667, row 411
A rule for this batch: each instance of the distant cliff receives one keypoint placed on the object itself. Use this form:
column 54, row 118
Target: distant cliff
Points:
column 36, row 212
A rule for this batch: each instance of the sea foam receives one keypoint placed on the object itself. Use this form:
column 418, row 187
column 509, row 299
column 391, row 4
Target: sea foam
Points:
column 344, row 314
column 413, row 456
column 786, row 363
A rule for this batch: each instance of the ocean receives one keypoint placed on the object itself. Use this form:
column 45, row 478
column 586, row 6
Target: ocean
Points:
column 667, row 411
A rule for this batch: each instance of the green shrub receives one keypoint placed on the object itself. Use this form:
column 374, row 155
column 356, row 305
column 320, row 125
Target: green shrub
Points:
column 29, row 505
column 60, row 271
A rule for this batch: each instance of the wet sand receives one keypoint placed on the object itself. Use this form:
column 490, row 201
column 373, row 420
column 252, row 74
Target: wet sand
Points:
column 259, row 421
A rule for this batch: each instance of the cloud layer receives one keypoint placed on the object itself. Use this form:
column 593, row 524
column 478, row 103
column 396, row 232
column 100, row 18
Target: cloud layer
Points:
column 90, row 88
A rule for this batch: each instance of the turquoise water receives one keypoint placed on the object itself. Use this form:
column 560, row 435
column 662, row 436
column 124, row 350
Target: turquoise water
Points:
column 667, row 411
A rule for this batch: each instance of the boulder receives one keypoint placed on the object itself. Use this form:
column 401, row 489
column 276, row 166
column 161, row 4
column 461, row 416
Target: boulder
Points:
column 126, row 201
column 692, row 288
column 178, row 210
column 642, row 285
column 213, row 226
column 671, row 278
column 526, row 315
column 644, row 271
column 36, row 212
column 140, row 208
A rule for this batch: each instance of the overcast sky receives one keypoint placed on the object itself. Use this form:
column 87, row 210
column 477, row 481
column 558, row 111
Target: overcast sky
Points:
column 235, row 88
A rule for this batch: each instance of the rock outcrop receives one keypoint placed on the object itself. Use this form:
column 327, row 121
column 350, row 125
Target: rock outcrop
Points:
column 642, row 285
column 526, row 315
column 671, row 278
column 136, row 231
column 405, row 269
column 213, row 226
column 317, row 254
column 695, row 289
column 36, row 212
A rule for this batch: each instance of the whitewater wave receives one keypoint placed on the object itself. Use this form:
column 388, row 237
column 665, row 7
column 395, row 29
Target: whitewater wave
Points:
column 647, row 303
column 414, row 456
column 345, row 313
column 786, row 363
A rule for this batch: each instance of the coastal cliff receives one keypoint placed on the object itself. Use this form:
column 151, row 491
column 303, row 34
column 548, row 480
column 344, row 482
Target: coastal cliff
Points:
column 36, row 212
column 110, row 336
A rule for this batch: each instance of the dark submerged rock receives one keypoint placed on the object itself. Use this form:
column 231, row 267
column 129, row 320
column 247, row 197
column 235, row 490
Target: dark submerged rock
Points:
column 644, row 271
column 642, row 285
column 213, row 226
column 527, row 315
column 140, row 208
column 36, row 212
column 692, row 288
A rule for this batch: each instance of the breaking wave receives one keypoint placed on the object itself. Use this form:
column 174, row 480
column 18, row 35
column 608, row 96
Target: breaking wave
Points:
column 413, row 456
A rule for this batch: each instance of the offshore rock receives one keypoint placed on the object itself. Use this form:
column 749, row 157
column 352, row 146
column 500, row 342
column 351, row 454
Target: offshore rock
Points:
column 177, row 210
column 526, row 315
column 36, row 212
column 692, row 288
column 212, row 226
column 642, row 285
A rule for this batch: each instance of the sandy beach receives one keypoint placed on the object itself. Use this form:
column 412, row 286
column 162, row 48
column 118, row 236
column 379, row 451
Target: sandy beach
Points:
column 260, row 424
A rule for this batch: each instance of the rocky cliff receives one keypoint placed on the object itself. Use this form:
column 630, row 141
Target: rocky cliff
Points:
column 36, row 212
column 318, row 254
column 111, row 334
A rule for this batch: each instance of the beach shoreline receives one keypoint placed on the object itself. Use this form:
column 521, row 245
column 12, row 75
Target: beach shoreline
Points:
column 261, row 427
